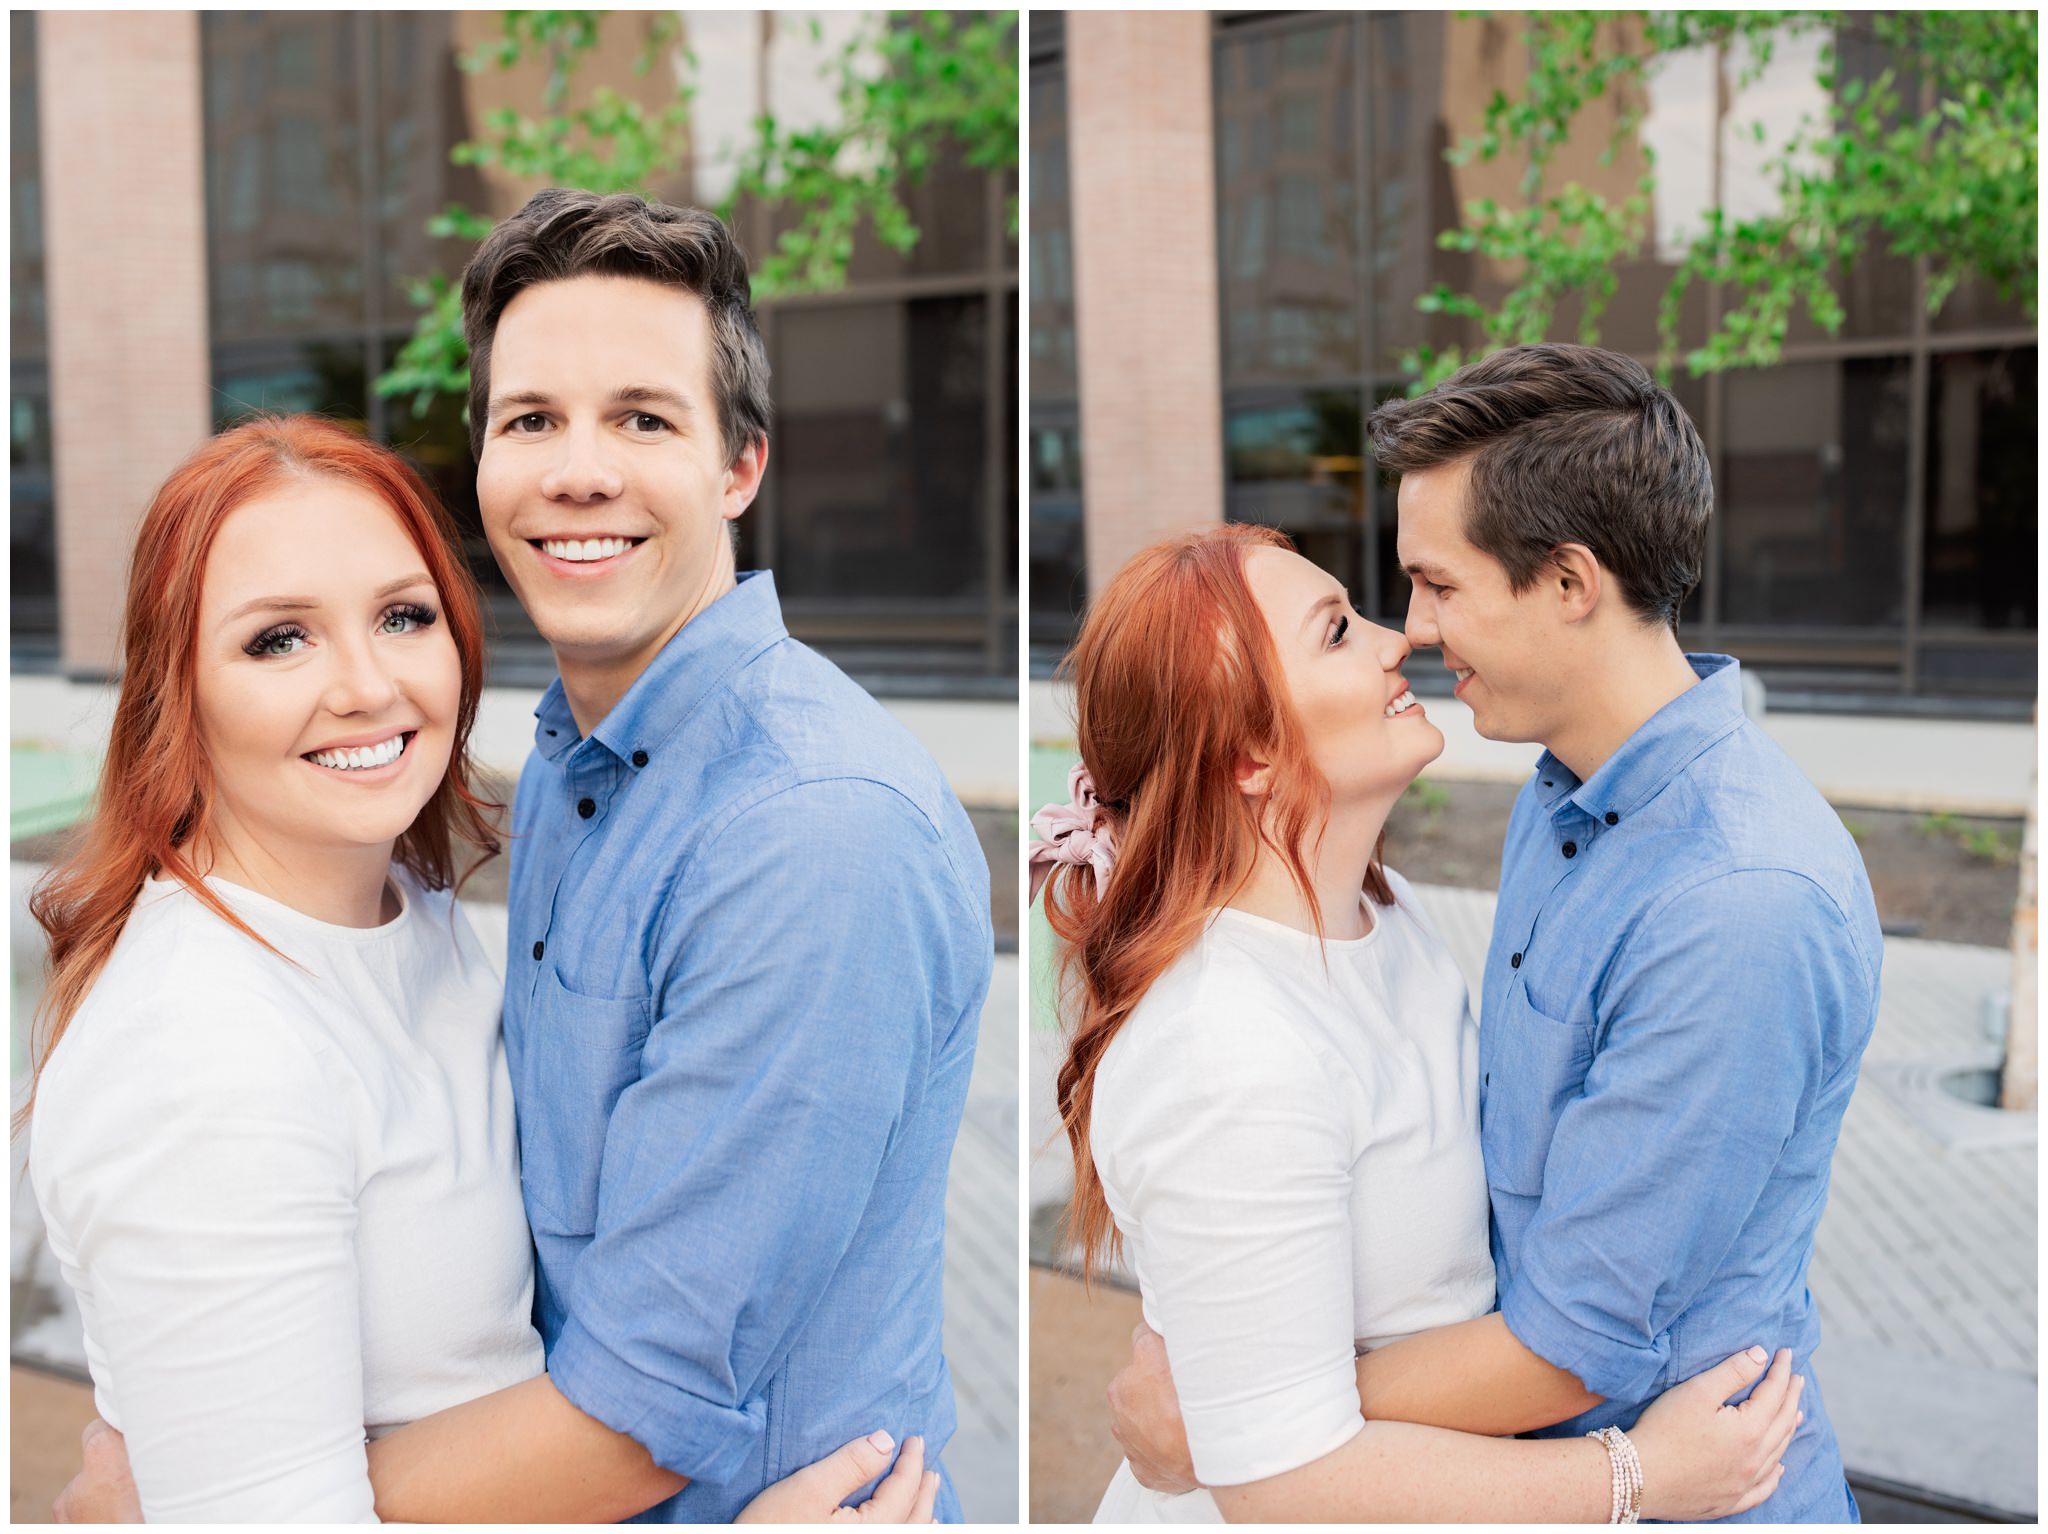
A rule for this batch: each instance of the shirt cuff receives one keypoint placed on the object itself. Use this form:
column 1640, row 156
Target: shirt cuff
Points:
column 684, row 1433
column 1622, row 1371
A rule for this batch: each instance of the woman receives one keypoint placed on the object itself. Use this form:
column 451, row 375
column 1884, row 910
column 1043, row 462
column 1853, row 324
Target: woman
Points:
column 1270, row 1088
column 273, row 1133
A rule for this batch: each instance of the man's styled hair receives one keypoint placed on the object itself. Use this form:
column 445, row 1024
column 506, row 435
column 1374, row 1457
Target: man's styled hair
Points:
column 562, row 233
column 1569, row 444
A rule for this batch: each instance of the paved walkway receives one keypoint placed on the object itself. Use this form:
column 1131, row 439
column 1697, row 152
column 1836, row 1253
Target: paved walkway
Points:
column 1925, row 1263
column 982, row 1278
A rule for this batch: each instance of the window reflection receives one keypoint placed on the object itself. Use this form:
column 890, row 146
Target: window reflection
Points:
column 879, row 411
column 1295, row 461
column 1815, row 494
column 1983, row 508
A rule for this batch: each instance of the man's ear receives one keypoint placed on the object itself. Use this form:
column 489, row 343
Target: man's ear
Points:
column 743, row 478
column 1578, row 579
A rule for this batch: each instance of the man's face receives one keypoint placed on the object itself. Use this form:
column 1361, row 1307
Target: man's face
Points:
column 603, row 478
column 1508, row 651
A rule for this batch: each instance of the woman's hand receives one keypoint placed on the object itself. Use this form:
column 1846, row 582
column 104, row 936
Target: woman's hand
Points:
column 813, row 1494
column 1703, row 1459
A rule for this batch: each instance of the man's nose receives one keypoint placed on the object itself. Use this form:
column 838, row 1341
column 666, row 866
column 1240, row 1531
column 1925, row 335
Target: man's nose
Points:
column 583, row 469
column 1420, row 624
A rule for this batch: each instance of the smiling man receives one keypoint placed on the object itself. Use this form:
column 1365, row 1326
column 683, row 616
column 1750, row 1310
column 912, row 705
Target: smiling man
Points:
column 1684, row 966
column 749, row 921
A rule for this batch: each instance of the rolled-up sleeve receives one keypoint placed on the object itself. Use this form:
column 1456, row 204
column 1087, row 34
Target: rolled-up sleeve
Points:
column 796, row 1025
column 1716, row 1018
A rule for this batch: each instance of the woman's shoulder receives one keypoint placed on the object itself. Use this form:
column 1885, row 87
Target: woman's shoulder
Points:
column 1215, row 1023
column 187, row 1014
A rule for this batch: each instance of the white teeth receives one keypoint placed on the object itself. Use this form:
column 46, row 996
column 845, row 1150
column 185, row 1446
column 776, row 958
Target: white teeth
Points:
column 358, row 758
column 1401, row 705
column 583, row 550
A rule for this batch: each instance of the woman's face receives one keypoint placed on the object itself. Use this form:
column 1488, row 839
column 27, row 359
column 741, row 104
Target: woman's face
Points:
column 328, row 684
column 1344, row 678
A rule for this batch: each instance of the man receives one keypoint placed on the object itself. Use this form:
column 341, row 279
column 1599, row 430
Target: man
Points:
column 1684, row 966
column 749, row 929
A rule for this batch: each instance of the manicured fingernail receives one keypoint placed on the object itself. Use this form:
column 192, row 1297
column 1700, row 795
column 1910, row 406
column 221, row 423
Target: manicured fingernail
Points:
column 931, row 1478
column 882, row 1441
column 1758, row 1354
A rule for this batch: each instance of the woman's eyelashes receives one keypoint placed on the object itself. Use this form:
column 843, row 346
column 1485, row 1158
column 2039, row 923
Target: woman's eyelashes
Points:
column 1337, row 632
column 282, row 639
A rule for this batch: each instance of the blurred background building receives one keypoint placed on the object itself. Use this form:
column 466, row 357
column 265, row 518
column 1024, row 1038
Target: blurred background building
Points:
column 1875, row 541
column 312, row 148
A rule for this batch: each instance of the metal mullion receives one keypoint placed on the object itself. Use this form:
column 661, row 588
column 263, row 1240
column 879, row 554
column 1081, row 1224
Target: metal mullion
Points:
column 1919, row 381
column 372, row 317
column 963, row 285
column 997, row 318
column 1980, row 341
column 1365, row 226
column 1717, row 395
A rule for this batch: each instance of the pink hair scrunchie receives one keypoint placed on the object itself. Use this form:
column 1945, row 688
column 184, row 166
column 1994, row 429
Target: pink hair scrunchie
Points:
column 1077, row 833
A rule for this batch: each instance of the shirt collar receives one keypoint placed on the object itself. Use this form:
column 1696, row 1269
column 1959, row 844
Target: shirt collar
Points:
column 1657, row 752
column 732, row 630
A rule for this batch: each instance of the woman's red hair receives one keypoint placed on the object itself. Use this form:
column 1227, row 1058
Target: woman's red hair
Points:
column 155, row 796
column 1176, row 682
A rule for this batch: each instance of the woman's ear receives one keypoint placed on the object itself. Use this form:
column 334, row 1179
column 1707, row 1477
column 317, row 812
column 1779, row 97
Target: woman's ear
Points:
column 1254, row 777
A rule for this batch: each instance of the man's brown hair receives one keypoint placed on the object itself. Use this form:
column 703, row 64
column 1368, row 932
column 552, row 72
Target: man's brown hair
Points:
column 562, row 233
column 1569, row 444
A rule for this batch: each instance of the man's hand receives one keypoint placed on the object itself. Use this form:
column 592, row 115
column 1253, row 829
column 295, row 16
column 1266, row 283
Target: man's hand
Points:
column 104, row 1491
column 1145, row 1417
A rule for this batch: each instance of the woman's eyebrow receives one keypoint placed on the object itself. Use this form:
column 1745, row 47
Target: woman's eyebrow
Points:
column 307, row 604
column 1333, row 599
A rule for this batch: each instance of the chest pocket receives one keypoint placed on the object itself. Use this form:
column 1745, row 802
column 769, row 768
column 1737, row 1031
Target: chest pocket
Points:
column 1533, row 1065
column 580, row 1053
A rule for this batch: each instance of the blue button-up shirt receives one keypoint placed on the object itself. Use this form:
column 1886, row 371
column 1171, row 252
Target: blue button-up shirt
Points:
column 1683, row 977
column 750, row 942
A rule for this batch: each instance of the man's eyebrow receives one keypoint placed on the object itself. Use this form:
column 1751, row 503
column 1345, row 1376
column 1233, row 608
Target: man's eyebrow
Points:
column 653, row 394
column 308, row 604
column 520, row 397
column 1425, row 569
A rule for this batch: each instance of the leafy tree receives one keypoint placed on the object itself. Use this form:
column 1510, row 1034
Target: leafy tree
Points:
column 909, row 86
column 1942, row 163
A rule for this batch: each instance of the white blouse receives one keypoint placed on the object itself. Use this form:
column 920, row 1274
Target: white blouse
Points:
column 1288, row 1138
column 287, row 1195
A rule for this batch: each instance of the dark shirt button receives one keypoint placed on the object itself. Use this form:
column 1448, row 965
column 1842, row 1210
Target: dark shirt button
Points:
column 1486, row 1080
column 1571, row 849
column 1613, row 819
column 586, row 807
column 1516, row 961
column 539, row 949
column 553, row 733
column 1546, row 782
column 639, row 758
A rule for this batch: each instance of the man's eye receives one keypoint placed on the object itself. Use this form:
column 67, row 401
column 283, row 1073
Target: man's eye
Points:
column 532, row 421
column 645, row 423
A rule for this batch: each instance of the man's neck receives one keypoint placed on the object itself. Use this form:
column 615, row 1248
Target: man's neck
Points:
column 1634, row 679
column 592, row 686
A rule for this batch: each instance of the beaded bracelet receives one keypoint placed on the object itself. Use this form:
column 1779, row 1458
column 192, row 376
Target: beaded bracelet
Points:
column 1627, row 1472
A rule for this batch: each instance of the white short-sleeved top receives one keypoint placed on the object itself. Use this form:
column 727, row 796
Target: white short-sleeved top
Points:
column 1288, row 1138
column 288, row 1197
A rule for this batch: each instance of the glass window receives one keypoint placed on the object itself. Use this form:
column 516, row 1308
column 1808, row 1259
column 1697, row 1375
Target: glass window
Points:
column 1287, row 186
column 879, row 410
column 1814, row 503
column 1294, row 461
column 1054, row 366
column 1983, row 491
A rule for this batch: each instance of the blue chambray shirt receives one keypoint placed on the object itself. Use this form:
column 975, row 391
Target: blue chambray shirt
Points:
column 749, row 944
column 1682, row 980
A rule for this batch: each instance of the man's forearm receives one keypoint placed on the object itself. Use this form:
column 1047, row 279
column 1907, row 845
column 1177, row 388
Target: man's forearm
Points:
column 519, row 1455
column 1475, row 1376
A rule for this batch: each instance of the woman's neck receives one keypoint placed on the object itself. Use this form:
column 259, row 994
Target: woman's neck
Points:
column 342, row 886
column 1337, row 866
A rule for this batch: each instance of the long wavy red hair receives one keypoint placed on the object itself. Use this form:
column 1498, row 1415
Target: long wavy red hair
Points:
column 1176, row 681
column 155, row 798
